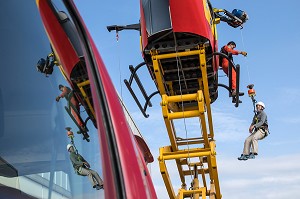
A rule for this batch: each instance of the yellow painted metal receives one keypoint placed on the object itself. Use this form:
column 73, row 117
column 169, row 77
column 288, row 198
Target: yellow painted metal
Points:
column 204, row 130
column 212, row 192
column 183, row 157
column 196, row 187
column 183, row 193
column 206, row 89
column 185, row 114
column 178, row 54
column 212, row 162
column 85, row 83
column 86, row 98
column 168, row 149
column 181, row 173
column 158, row 74
column 166, row 178
column 186, row 153
column 169, row 125
column 179, row 98
column 204, row 171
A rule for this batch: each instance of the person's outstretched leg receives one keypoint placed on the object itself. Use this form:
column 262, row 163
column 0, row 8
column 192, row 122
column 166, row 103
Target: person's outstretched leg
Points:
column 97, row 177
column 258, row 135
column 87, row 172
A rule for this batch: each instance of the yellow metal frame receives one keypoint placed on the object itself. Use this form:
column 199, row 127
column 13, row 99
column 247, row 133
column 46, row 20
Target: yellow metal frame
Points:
column 205, row 155
column 85, row 97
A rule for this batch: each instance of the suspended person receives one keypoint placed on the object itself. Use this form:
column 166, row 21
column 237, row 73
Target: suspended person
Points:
column 236, row 18
column 229, row 51
column 82, row 167
column 258, row 130
column 66, row 93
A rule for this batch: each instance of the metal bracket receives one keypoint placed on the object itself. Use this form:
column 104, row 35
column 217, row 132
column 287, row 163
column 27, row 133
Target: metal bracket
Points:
column 134, row 76
column 230, row 68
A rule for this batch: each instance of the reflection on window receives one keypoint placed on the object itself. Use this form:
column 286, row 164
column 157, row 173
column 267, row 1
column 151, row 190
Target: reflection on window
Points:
column 34, row 161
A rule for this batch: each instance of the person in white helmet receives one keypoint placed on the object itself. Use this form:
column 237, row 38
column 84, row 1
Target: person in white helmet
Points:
column 82, row 167
column 258, row 130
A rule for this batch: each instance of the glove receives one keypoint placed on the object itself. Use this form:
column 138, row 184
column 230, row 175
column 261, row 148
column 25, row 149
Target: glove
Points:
column 57, row 98
column 244, row 53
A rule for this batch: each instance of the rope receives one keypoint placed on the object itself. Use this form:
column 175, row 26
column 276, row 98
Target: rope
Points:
column 178, row 63
column 245, row 57
column 119, row 65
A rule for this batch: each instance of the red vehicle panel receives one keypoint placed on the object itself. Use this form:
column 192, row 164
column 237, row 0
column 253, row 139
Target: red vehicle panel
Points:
column 124, row 169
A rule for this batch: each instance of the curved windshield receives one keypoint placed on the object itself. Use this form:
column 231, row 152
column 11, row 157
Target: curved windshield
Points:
column 157, row 15
column 34, row 133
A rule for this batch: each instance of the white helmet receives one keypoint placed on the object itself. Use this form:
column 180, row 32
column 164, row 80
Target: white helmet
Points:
column 69, row 146
column 262, row 104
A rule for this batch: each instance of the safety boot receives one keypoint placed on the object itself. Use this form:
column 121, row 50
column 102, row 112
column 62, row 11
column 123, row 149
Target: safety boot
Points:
column 233, row 93
column 234, row 100
column 243, row 157
column 252, row 155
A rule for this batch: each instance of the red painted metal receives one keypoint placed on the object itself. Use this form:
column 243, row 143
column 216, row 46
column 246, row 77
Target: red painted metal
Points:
column 58, row 38
column 137, row 181
column 189, row 16
column 138, row 185
column 144, row 34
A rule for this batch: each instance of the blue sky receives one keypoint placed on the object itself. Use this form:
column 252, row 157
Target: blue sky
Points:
column 271, row 38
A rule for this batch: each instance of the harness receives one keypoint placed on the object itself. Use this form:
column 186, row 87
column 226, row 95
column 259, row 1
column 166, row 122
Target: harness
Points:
column 263, row 127
column 77, row 169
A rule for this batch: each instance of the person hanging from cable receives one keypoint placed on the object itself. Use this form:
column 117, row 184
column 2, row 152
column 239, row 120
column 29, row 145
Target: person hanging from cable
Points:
column 67, row 93
column 235, row 19
column 229, row 51
column 82, row 167
column 258, row 130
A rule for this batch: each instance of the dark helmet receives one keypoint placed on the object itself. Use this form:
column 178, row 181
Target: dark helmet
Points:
column 231, row 43
column 60, row 86
column 40, row 65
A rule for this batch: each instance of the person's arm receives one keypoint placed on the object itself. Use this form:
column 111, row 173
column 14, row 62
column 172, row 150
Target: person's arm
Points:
column 235, row 52
column 252, row 124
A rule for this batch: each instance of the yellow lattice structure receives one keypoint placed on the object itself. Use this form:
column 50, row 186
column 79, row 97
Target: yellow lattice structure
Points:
column 199, row 159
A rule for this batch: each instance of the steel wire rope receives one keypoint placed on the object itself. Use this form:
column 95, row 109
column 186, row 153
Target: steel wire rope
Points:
column 178, row 63
column 247, row 67
column 119, row 65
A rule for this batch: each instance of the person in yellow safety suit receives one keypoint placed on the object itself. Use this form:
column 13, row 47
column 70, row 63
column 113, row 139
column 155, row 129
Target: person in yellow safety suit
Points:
column 82, row 167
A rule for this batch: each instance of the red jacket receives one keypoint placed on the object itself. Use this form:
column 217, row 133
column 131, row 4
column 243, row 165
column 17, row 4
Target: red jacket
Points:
column 228, row 50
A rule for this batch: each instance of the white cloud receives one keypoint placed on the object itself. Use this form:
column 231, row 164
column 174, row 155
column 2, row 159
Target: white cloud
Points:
column 228, row 127
column 262, row 178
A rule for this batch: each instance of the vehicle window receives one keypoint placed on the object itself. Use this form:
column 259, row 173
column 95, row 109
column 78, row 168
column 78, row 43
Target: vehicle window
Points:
column 34, row 161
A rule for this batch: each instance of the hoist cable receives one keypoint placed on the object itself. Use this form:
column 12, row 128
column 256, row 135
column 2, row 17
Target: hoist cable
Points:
column 178, row 64
column 119, row 65
column 245, row 57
